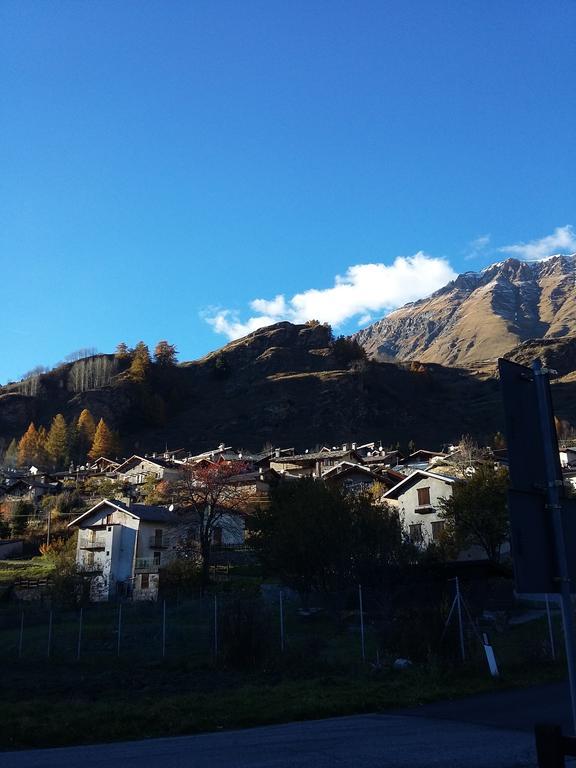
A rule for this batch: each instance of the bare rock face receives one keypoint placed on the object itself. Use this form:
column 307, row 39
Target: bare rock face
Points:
column 15, row 411
column 481, row 316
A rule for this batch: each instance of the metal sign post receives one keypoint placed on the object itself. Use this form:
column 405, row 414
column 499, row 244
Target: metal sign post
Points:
column 542, row 517
column 554, row 507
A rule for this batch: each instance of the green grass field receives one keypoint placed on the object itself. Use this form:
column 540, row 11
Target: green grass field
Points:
column 50, row 698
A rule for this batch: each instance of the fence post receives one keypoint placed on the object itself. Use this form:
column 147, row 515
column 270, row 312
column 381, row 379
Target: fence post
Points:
column 119, row 628
column 215, row 626
column 281, row 621
column 20, row 642
column 460, row 622
column 362, row 622
column 163, row 628
column 550, row 630
column 79, row 645
column 48, row 648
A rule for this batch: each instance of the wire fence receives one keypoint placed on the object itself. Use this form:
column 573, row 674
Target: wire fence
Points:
column 449, row 621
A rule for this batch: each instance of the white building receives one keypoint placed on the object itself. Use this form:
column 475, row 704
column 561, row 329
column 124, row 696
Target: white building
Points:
column 123, row 546
column 418, row 499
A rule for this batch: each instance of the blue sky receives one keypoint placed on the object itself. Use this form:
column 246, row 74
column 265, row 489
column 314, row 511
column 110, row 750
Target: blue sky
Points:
column 173, row 169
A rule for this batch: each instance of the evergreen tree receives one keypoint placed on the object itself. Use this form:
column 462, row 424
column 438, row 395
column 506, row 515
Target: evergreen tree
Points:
column 57, row 445
column 28, row 447
column 165, row 354
column 140, row 362
column 122, row 352
column 105, row 442
column 11, row 455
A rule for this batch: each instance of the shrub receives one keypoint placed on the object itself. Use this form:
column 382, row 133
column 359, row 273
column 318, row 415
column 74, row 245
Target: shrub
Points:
column 347, row 350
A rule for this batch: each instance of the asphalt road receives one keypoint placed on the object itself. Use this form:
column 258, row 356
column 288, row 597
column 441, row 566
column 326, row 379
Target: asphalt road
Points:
column 489, row 731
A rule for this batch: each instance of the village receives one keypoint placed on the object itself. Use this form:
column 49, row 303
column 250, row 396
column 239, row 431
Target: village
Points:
column 130, row 519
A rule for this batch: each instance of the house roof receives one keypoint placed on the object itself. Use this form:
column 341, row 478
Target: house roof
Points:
column 136, row 459
column 424, row 454
column 409, row 481
column 147, row 512
column 345, row 467
column 323, row 454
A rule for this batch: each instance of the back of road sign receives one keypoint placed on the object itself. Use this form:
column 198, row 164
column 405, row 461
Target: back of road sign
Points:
column 523, row 429
column 531, row 524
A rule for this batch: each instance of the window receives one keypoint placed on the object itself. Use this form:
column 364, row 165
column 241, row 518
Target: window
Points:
column 157, row 556
column 145, row 581
column 217, row 536
column 158, row 537
column 437, row 528
column 416, row 533
column 423, row 497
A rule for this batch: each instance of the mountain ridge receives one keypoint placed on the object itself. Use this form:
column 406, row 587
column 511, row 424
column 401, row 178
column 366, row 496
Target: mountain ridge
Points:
column 515, row 301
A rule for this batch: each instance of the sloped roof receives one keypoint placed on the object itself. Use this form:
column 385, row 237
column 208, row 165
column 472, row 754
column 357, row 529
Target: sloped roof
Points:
column 409, row 481
column 148, row 512
column 345, row 467
column 135, row 459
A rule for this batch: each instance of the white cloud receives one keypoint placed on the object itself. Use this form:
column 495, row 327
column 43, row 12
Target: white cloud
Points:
column 365, row 289
column 477, row 247
column 562, row 240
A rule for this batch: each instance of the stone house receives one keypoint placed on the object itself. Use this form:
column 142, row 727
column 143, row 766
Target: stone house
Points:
column 137, row 469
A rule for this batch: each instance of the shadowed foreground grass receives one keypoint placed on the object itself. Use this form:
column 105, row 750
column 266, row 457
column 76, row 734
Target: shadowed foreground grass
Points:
column 64, row 705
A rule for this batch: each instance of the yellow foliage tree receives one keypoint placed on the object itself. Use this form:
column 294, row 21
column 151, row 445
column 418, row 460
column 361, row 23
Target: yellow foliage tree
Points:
column 105, row 442
column 28, row 446
column 57, row 447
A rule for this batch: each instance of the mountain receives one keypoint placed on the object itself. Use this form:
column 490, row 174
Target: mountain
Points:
column 281, row 384
column 480, row 315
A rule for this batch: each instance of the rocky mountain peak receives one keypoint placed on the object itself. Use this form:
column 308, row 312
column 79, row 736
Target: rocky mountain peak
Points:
column 481, row 315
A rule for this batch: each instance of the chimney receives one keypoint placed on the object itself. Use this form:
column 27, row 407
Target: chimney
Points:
column 345, row 447
column 277, row 453
column 353, row 446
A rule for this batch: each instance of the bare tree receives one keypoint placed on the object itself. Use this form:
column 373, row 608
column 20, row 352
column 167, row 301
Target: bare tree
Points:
column 79, row 354
column 208, row 497
column 92, row 372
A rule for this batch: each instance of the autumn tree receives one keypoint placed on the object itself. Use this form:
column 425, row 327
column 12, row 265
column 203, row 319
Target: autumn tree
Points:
column 85, row 429
column 477, row 511
column 206, row 496
column 41, row 453
column 57, row 446
column 140, row 362
column 104, row 443
column 122, row 352
column 165, row 354
column 29, row 446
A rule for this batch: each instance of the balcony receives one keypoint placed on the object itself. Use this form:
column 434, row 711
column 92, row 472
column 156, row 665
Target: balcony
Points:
column 93, row 543
column 146, row 565
column 157, row 542
column 91, row 567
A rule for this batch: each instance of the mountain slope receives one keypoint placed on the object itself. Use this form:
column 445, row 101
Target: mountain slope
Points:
column 480, row 316
column 280, row 384
column 283, row 385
